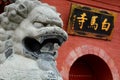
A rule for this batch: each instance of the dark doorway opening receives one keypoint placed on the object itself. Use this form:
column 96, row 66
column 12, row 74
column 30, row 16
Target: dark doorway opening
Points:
column 90, row 67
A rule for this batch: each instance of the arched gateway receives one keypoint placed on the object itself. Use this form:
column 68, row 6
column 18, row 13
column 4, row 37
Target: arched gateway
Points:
column 88, row 62
column 90, row 67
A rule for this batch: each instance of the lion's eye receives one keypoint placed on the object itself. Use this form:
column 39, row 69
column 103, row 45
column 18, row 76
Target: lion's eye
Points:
column 38, row 25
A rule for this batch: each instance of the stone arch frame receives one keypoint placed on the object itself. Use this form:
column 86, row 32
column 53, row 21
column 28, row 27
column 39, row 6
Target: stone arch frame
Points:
column 84, row 50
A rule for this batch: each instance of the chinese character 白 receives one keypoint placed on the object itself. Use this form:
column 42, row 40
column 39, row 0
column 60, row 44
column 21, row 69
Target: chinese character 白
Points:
column 105, row 25
column 93, row 23
column 81, row 20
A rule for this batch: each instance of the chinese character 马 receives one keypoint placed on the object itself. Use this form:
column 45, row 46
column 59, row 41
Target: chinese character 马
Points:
column 93, row 23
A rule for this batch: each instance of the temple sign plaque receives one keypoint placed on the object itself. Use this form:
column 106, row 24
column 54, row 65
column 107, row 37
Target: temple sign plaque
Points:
column 91, row 22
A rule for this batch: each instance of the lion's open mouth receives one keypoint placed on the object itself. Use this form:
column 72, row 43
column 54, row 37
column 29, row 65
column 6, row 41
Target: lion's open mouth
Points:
column 33, row 45
column 45, row 35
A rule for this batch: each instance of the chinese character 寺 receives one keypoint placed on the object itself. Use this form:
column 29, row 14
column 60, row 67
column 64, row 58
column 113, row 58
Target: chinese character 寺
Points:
column 81, row 20
column 105, row 25
column 93, row 23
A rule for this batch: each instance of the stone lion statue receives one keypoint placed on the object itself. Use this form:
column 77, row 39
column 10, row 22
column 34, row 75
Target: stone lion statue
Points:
column 30, row 35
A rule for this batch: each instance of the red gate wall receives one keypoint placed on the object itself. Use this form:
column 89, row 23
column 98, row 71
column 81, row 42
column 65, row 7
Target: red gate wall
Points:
column 109, row 51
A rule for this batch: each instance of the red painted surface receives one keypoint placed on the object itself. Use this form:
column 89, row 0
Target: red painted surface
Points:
column 76, row 46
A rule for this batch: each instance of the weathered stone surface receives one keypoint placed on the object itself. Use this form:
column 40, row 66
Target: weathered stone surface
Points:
column 30, row 35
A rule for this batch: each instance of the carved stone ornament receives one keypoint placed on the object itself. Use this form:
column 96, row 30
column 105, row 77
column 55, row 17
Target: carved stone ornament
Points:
column 30, row 35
